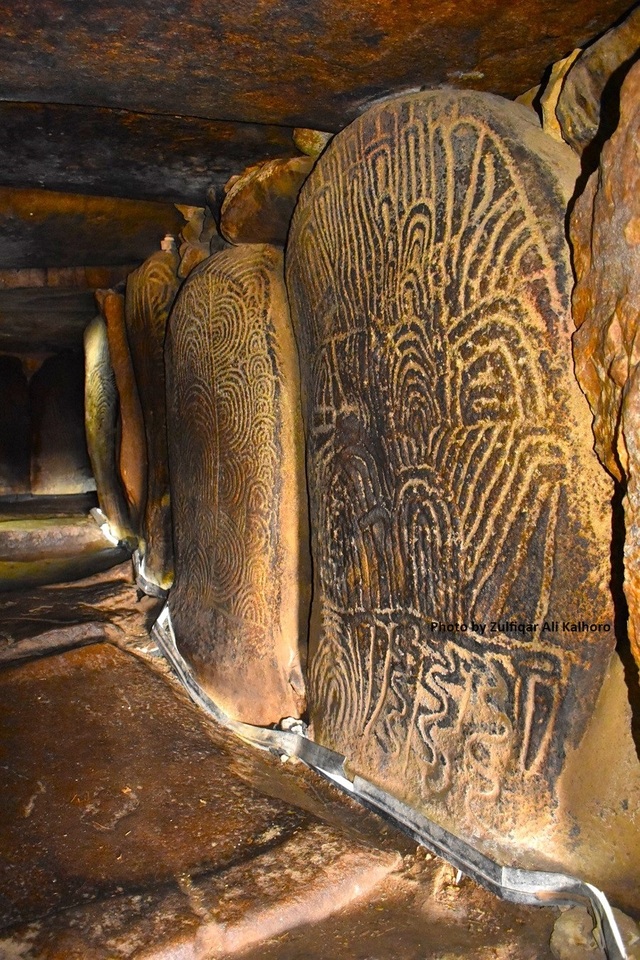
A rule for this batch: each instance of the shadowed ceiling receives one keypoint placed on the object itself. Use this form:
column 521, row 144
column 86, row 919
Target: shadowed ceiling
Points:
column 159, row 101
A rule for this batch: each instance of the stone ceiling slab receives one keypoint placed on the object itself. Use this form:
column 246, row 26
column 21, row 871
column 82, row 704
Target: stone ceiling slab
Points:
column 44, row 321
column 119, row 153
column 41, row 228
column 281, row 61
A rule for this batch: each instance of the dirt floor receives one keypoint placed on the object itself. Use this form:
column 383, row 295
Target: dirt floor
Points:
column 134, row 827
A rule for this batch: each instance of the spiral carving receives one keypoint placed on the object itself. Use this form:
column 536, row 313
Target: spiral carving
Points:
column 240, row 599
column 151, row 290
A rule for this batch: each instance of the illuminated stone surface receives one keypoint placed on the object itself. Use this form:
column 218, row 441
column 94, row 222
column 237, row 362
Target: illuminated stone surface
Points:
column 151, row 290
column 239, row 603
column 259, row 203
column 132, row 458
column 451, row 475
column 199, row 238
column 101, row 426
column 605, row 232
column 51, row 549
column 587, row 107
column 133, row 823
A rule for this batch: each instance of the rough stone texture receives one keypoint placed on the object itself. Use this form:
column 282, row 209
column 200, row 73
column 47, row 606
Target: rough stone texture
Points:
column 573, row 938
column 59, row 458
column 259, row 203
column 101, row 427
column 126, row 154
column 109, row 600
column 605, row 232
column 587, row 108
column 15, row 447
column 285, row 62
column 43, row 311
column 601, row 838
column 550, row 93
column 85, row 728
column 199, row 238
column 311, row 142
column 450, row 467
column 151, row 290
column 51, row 550
column 42, row 228
column 132, row 459
column 240, row 600
column 125, row 824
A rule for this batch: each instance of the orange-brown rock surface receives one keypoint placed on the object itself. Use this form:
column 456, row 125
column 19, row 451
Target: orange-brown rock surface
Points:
column 132, row 452
column 587, row 106
column 239, row 603
column 548, row 100
column 51, row 549
column 133, row 825
column 101, row 427
column 605, row 232
column 311, row 142
column 151, row 290
column 284, row 62
column 462, row 621
column 199, row 238
column 260, row 201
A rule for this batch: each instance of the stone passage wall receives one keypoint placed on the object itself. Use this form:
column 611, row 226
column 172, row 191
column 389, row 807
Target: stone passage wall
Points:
column 605, row 232
column 239, row 604
column 59, row 458
column 460, row 520
column 151, row 290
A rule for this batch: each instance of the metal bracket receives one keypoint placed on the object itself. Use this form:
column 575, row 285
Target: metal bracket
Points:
column 529, row 887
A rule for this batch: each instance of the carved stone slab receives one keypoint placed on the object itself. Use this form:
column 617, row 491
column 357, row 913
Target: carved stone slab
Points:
column 151, row 290
column 239, row 603
column 101, row 425
column 455, row 498
column 132, row 451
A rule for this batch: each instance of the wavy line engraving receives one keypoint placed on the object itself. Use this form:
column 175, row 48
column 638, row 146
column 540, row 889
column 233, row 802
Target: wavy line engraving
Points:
column 429, row 281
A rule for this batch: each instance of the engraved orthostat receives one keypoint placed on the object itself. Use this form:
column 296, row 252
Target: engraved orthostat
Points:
column 101, row 418
column 452, row 481
column 151, row 290
column 239, row 604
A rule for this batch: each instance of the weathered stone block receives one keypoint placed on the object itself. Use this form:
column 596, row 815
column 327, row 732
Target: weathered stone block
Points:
column 151, row 290
column 239, row 603
column 199, row 238
column 587, row 106
column 460, row 519
column 260, row 201
column 132, row 450
column 605, row 232
column 101, row 425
